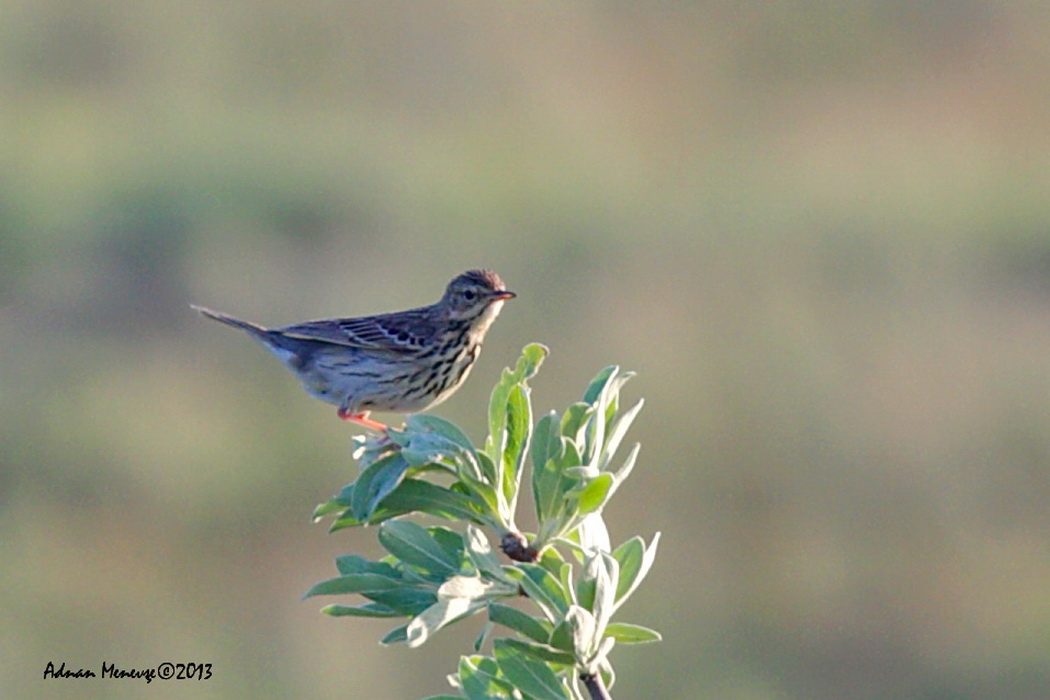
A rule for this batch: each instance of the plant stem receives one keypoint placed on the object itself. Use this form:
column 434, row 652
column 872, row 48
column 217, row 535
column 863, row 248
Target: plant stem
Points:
column 594, row 685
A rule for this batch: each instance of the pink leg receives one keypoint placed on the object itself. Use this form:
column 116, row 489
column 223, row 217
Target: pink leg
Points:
column 362, row 419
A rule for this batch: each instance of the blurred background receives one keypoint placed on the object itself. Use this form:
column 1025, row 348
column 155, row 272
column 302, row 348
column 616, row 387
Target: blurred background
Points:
column 819, row 232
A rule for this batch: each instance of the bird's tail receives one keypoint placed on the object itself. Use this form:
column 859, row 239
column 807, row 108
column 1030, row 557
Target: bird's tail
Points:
column 230, row 320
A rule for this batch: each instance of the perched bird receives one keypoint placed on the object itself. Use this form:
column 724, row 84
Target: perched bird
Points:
column 403, row 362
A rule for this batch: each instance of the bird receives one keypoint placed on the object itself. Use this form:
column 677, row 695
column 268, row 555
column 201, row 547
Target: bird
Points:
column 402, row 362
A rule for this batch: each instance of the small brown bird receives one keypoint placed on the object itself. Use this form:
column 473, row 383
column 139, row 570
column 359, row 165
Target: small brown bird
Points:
column 403, row 362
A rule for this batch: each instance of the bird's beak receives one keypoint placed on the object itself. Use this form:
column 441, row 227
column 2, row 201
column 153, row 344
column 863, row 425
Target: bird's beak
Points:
column 503, row 296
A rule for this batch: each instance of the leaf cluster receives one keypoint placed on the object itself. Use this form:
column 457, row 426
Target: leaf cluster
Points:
column 566, row 575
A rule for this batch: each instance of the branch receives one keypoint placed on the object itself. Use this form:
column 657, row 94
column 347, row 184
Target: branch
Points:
column 516, row 547
column 594, row 685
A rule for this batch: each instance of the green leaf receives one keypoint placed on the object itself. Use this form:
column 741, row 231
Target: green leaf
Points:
column 543, row 588
column 641, row 570
column 425, row 422
column 598, row 396
column 518, row 621
column 375, row 482
column 365, row 584
column 562, row 637
column 550, row 485
column 600, row 654
column 479, row 641
column 540, row 652
column 449, row 540
column 546, row 440
column 482, row 491
column 354, row 564
column 604, row 396
column 480, row 679
column 412, row 544
column 594, row 495
column 519, row 424
column 598, row 384
column 617, row 433
column 584, row 629
column 366, row 610
column 608, row 674
column 475, row 587
column 574, row 424
column 481, row 555
column 458, row 597
column 605, row 571
column 528, row 364
column 334, row 505
column 592, row 533
column 344, row 520
column 428, row 441
column 545, row 491
column 532, row 356
column 410, row 599
column 417, row 495
column 631, row 634
column 510, row 421
column 406, row 598
column 628, row 465
column 441, row 614
column 629, row 555
column 527, row 674
column 552, row 561
column 394, row 636
column 585, row 588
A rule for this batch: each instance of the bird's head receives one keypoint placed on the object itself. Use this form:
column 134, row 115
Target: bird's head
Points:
column 475, row 294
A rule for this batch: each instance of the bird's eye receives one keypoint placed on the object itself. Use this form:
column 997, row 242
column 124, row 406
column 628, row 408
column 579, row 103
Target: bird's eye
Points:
column 470, row 295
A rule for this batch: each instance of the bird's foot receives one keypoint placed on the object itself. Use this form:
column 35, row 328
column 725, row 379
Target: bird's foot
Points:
column 362, row 419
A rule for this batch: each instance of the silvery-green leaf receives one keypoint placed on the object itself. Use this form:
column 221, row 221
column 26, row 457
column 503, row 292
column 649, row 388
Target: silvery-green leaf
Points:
column 411, row 543
column 574, row 424
column 631, row 634
column 562, row 638
column 480, row 679
column 365, row 610
column 425, row 422
column 541, row 652
column 605, row 571
column 594, row 495
column 584, row 631
column 601, row 654
column 395, row 636
column 592, row 533
column 521, row 622
column 365, row 584
column 356, row 564
column 617, row 433
column 375, row 482
column 481, row 555
column 441, row 614
column 543, row 588
column 582, row 472
column 629, row 555
column 417, row 495
column 479, row 641
column 529, row 675
column 648, row 556
column 597, row 386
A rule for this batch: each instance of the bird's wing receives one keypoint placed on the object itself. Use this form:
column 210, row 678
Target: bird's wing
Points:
column 401, row 332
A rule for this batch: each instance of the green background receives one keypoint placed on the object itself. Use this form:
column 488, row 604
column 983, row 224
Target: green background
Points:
column 819, row 231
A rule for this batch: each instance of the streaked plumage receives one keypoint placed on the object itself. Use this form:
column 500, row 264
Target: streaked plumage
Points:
column 403, row 362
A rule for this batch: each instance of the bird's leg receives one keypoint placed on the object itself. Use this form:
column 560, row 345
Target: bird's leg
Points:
column 361, row 419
